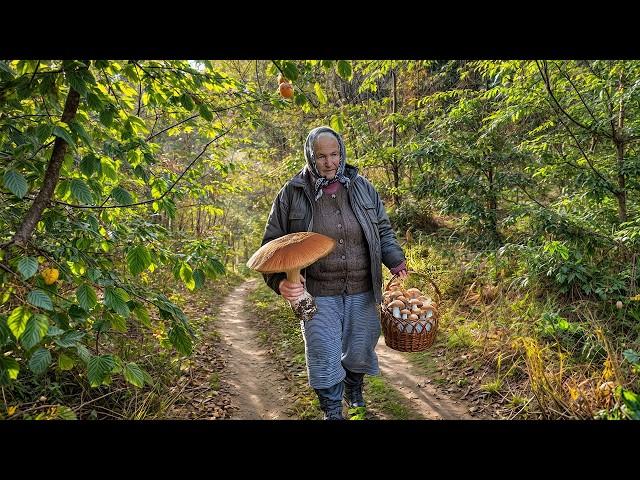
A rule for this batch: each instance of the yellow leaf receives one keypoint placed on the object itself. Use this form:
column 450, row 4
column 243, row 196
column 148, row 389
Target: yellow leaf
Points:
column 11, row 410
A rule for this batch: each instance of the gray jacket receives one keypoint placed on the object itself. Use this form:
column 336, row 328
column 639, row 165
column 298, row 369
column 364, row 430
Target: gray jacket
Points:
column 291, row 212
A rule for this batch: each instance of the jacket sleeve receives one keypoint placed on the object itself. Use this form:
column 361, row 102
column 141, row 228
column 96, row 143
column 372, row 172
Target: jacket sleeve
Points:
column 392, row 254
column 276, row 227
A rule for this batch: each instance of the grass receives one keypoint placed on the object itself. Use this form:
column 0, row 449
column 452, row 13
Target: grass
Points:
column 386, row 399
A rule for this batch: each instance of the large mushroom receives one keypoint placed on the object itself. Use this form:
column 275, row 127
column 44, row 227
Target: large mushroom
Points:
column 290, row 254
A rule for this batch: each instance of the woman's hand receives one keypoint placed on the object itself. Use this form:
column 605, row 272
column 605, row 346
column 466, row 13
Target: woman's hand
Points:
column 402, row 274
column 291, row 291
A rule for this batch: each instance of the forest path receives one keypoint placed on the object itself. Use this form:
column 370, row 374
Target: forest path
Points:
column 259, row 389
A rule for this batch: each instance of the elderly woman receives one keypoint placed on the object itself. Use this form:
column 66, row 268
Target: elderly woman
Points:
column 329, row 197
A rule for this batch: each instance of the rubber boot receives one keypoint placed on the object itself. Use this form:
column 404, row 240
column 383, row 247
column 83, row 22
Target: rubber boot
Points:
column 331, row 401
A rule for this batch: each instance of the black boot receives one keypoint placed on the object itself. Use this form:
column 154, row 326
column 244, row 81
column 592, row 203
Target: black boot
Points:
column 353, row 389
column 331, row 401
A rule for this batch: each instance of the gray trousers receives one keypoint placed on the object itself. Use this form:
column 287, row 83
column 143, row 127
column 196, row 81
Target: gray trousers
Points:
column 342, row 334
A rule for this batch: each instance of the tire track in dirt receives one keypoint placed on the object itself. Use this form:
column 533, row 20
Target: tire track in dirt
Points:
column 259, row 390
column 420, row 395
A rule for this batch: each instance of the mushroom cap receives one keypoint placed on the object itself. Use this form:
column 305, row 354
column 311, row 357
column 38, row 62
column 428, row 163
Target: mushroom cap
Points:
column 402, row 298
column 415, row 301
column 395, row 294
column 396, row 303
column 413, row 292
column 405, row 310
column 293, row 251
column 413, row 316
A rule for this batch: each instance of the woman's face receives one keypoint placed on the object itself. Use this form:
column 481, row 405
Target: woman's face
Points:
column 327, row 154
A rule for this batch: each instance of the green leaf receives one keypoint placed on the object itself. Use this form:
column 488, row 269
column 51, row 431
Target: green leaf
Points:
column 118, row 323
column 205, row 113
column 40, row 299
column 199, row 278
column 320, row 93
column 76, row 82
column 54, row 331
column 108, row 169
column 28, row 266
column 90, row 164
column 70, row 339
column 17, row 321
column 79, row 130
column 143, row 315
column 15, row 183
column 86, row 297
column 344, row 69
column 217, row 266
column 138, row 259
column 121, row 196
column 134, row 374
column 299, row 99
column 94, row 102
column 289, row 70
column 631, row 356
column 336, row 123
column 35, row 331
column 81, row 192
column 9, row 368
column 65, row 413
column 186, row 275
column 99, row 368
column 187, row 102
column 40, row 361
column 5, row 333
column 65, row 362
column 114, row 300
column 180, row 339
column 5, row 68
column 106, row 117
column 83, row 353
column 64, row 134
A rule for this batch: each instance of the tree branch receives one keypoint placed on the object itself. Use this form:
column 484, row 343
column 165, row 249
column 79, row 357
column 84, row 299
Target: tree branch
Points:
column 144, row 202
column 25, row 230
column 547, row 83
column 579, row 95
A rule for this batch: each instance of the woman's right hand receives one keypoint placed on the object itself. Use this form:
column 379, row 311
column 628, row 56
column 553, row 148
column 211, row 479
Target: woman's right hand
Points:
column 291, row 291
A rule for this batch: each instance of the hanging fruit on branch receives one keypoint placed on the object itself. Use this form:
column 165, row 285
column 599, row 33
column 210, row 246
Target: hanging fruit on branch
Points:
column 50, row 275
column 286, row 90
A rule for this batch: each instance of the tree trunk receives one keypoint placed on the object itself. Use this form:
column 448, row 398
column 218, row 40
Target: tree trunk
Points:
column 622, row 191
column 51, row 176
column 395, row 167
column 493, row 207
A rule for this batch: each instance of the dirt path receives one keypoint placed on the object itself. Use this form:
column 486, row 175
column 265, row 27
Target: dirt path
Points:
column 421, row 396
column 257, row 388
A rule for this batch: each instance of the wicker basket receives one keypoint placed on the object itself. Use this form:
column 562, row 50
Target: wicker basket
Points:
column 407, row 335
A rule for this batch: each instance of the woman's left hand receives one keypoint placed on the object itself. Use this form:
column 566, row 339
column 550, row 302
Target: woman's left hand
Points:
column 402, row 274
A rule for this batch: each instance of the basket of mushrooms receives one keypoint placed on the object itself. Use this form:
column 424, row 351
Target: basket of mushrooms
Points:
column 409, row 318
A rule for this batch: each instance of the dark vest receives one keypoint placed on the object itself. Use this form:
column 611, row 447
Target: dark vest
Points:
column 348, row 268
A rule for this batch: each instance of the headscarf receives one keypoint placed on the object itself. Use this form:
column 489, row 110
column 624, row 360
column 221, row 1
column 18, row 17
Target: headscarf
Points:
column 309, row 155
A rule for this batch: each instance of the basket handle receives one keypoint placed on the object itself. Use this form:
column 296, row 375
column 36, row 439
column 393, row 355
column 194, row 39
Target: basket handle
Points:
column 435, row 287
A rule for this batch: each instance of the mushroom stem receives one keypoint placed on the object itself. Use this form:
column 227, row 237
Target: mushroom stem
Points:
column 304, row 306
column 293, row 275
